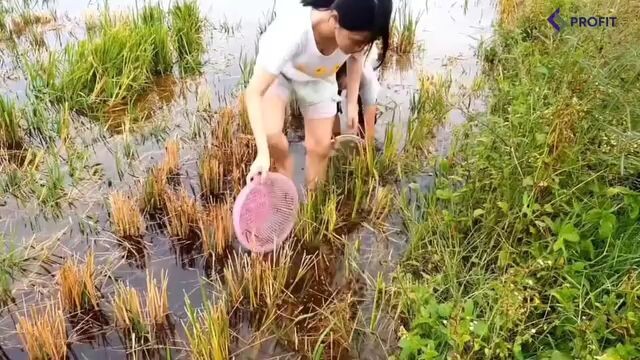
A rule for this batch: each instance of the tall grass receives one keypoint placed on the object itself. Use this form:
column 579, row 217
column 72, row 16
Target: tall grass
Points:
column 430, row 106
column 531, row 231
column 182, row 216
column 216, row 229
column 208, row 331
column 79, row 290
column 187, row 27
column 43, row 333
column 11, row 133
column 404, row 26
column 211, row 174
column 126, row 220
column 109, row 70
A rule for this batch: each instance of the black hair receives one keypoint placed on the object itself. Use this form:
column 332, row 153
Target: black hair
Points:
column 373, row 16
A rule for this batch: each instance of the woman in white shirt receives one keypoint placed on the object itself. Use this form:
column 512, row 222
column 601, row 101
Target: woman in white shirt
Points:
column 301, row 53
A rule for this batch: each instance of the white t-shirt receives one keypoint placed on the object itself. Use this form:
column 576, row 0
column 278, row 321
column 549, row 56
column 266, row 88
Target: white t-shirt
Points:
column 288, row 47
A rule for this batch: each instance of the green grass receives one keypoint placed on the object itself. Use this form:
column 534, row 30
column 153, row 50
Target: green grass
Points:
column 527, row 247
column 187, row 27
column 404, row 26
column 11, row 133
column 208, row 331
column 109, row 69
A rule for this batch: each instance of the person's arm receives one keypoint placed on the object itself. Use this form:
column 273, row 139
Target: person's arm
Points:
column 277, row 46
column 354, row 72
column 258, row 86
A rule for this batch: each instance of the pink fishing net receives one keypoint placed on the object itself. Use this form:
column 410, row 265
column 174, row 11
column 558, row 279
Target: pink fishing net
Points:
column 265, row 212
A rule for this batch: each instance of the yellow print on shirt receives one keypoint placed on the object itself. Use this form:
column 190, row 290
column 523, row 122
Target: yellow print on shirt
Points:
column 319, row 71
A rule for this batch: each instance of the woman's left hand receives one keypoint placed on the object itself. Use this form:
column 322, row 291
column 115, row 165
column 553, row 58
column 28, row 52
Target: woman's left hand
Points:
column 352, row 118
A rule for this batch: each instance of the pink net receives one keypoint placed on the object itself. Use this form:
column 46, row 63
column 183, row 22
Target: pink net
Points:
column 264, row 213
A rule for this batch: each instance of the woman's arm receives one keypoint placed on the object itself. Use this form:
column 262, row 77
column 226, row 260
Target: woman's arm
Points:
column 354, row 72
column 258, row 86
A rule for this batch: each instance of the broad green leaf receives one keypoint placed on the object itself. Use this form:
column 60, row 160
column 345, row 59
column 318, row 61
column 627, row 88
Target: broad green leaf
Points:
column 478, row 212
column 607, row 225
column 558, row 355
column 481, row 328
column 569, row 232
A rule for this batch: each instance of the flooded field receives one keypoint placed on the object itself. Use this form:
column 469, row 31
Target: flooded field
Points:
column 115, row 194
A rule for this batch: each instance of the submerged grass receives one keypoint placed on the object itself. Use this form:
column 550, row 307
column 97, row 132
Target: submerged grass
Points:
column 43, row 333
column 187, row 28
column 527, row 248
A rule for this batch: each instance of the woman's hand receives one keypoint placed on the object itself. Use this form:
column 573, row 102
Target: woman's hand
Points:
column 352, row 118
column 260, row 166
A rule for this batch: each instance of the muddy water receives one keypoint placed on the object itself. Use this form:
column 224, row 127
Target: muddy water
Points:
column 449, row 32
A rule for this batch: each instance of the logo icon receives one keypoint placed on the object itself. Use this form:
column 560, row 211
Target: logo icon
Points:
column 556, row 20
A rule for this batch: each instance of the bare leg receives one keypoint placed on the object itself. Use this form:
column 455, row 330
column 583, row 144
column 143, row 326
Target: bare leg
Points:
column 273, row 115
column 318, row 142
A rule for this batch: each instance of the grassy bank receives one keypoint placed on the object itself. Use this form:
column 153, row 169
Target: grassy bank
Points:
column 528, row 247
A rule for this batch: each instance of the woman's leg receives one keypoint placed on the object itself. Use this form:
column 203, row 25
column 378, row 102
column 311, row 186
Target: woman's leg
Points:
column 318, row 133
column 274, row 104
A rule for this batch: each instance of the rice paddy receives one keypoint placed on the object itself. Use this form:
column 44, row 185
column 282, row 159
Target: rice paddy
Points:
column 124, row 141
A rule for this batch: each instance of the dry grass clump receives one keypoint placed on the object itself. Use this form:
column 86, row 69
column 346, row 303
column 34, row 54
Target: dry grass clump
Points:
column 171, row 162
column 143, row 321
column 43, row 333
column 223, row 131
column 182, row 216
column 155, row 191
column 263, row 284
column 211, row 174
column 126, row 220
column 216, row 227
column 78, row 285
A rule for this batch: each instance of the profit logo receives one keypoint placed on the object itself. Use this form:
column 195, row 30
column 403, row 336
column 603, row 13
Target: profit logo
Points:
column 560, row 23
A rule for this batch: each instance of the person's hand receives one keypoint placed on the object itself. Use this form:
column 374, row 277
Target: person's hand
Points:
column 261, row 166
column 352, row 118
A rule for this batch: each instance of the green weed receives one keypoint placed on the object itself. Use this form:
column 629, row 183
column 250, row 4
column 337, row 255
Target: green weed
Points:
column 11, row 133
column 526, row 248
column 187, row 27
column 208, row 331
column 403, row 29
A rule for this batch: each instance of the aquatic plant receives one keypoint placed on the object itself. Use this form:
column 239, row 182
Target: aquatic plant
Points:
column 155, row 190
column 11, row 133
column 127, row 308
column 182, row 216
column 43, row 333
column 430, row 106
column 208, row 331
column 152, row 18
column 171, row 162
column 78, row 284
column 403, row 29
column 143, row 321
column 187, row 29
column 211, row 174
column 157, row 303
column 216, row 228
column 318, row 217
column 106, row 71
column 127, row 222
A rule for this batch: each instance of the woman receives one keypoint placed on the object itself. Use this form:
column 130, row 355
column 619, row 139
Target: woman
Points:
column 301, row 54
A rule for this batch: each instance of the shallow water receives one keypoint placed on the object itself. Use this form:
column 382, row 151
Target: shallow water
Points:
column 450, row 30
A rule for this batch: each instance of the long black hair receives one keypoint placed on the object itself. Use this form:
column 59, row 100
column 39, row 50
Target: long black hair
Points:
column 373, row 16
